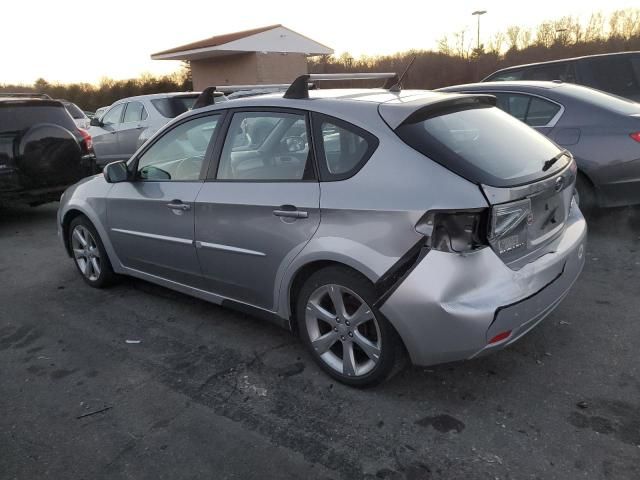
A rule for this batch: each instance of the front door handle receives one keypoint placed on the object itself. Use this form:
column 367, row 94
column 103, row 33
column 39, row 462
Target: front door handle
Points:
column 290, row 211
column 178, row 205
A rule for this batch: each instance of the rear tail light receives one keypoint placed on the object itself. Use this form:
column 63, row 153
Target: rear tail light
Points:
column 457, row 232
column 88, row 141
column 509, row 222
column 635, row 136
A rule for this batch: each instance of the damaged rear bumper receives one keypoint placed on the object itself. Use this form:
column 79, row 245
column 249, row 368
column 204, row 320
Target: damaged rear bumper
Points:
column 450, row 306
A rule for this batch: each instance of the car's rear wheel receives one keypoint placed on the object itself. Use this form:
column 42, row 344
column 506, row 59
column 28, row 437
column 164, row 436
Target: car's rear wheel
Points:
column 348, row 338
column 89, row 253
column 587, row 200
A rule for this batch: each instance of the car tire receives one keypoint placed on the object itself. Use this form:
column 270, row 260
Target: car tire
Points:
column 587, row 199
column 358, row 347
column 89, row 254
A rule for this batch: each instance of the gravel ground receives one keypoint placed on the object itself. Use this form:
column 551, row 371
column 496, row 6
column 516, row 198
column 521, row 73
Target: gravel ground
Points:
column 210, row 393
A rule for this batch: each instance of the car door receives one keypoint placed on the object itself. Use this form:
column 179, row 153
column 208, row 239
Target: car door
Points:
column 151, row 218
column 105, row 136
column 259, row 206
column 135, row 120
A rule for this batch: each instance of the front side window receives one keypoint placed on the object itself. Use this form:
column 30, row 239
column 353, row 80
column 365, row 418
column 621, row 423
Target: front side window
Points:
column 534, row 111
column 552, row 71
column 180, row 153
column 113, row 116
column 266, row 146
column 345, row 147
column 134, row 113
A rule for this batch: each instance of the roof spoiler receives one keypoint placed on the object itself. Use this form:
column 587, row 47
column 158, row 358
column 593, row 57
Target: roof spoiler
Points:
column 299, row 89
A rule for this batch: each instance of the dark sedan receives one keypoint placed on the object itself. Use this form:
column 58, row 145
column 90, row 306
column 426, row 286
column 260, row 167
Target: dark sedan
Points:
column 602, row 132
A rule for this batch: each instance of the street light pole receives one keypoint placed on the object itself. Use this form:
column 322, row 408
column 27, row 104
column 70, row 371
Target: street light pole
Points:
column 479, row 13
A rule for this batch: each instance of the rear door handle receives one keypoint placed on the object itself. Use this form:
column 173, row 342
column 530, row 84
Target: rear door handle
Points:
column 178, row 205
column 290, row 211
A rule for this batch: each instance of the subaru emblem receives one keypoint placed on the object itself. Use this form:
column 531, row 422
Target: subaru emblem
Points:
column 559, row 183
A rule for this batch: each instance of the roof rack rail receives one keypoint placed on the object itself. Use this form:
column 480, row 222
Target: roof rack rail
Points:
column 299, row 89
column 238, row 88
column 25, row 95
column 207, row 97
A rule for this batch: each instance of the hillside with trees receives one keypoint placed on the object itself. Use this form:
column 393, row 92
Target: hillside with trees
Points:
column 454, row 62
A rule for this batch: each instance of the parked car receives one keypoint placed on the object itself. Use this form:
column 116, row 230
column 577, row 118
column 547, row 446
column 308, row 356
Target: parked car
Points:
column 79, row 117
column 89, row 114
column 601, row 130
column 617, row 73
column 99, row 112
column 129, row 122
column 41, row 150
column 372, row 222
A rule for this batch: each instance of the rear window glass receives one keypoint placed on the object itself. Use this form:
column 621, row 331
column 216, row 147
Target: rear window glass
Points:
column 483, row 144
column 75, row 112
column 601, row 99
column 171, row 107
column 16, row 117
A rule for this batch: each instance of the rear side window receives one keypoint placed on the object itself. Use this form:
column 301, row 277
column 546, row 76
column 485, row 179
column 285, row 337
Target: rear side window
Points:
column 344, row 148
column 17, row 117
column 534, row 111
column 171, row 107
column 266, row 146
column 615, row 74
column 482, row 144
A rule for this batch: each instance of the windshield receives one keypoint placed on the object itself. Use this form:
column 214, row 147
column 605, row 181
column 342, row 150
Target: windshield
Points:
column 171, row 107
column 484, row 145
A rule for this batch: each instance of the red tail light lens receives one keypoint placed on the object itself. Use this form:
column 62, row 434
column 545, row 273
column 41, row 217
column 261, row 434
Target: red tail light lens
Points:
column 635, row 136
column 88, row 141
column 499, row 337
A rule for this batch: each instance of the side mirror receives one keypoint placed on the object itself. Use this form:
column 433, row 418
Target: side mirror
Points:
column 95, row 122
column 295, row 144
column 116, row 172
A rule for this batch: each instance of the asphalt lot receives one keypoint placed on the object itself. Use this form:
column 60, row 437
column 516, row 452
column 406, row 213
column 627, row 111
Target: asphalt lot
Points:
column 210, row 393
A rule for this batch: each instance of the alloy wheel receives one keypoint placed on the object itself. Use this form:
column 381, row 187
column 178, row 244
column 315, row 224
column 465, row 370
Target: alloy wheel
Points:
column 343, row 330
column 86, row 252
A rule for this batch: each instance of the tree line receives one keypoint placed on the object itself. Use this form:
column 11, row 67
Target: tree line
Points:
column 455, row 60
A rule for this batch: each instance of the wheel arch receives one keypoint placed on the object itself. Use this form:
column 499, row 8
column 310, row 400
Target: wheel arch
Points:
column 66, row 223
column 303, row 272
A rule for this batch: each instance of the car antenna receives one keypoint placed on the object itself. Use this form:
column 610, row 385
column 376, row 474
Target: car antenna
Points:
column 398, row 85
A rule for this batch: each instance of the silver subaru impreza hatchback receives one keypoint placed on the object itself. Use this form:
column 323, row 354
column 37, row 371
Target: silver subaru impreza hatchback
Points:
column 375, row 223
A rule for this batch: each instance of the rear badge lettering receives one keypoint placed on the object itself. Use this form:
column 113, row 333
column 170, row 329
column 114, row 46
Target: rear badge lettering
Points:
column 511, row 243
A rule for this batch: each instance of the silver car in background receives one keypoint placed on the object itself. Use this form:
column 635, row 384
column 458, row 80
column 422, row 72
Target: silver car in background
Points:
column 372, row 222
column 129, row 122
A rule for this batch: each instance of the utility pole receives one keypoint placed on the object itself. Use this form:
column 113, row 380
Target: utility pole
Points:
column 479, row 13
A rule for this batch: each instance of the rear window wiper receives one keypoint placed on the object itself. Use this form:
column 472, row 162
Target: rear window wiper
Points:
column 549, row 163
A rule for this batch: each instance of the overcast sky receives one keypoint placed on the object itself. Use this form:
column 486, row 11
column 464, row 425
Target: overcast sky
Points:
column 83, row 41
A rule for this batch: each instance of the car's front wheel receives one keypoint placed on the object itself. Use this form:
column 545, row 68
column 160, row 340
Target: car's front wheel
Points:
column 89, row 253
column 348, row 338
